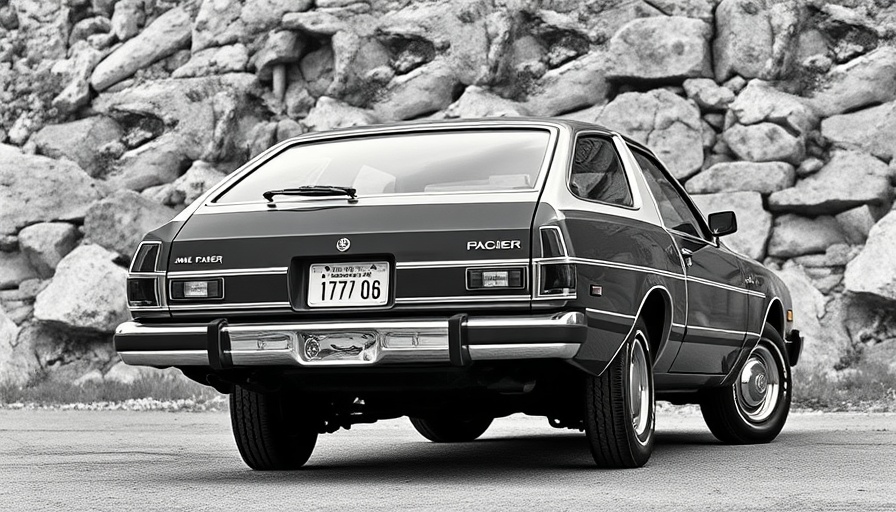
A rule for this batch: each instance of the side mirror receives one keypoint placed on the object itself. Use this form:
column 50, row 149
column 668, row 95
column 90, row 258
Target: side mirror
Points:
column 722, row 223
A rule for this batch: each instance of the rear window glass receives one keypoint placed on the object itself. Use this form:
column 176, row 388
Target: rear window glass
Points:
column 443, row 161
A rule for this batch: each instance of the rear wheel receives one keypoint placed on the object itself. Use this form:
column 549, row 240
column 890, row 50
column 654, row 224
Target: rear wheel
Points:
column 754, row 408
column 451, row 430
column 620, row 406
column 269, row 432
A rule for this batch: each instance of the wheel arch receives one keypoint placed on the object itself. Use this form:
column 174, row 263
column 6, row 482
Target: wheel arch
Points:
column 656, row 310
column 774, row 315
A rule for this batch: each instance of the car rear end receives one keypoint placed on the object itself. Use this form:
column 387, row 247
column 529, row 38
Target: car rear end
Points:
column 425, row 267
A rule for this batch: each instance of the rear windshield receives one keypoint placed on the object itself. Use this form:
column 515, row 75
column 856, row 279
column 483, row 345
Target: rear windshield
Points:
column 443, row 161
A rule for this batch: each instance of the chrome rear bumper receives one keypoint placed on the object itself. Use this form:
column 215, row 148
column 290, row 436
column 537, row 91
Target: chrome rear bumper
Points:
column 456, row 340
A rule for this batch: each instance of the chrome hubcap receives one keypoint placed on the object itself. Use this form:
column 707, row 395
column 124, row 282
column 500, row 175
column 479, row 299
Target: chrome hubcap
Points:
column 639, row 394
column 758, row 384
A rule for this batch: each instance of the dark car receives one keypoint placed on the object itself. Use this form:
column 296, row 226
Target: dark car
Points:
column 457, row 272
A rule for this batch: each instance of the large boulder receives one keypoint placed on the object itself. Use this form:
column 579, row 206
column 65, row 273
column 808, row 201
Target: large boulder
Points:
column 167, row 34
column 753, row 222
column 46, row 243
column 478, row 102
column 232, row 58
column 700, row 9
column 826, row 193
column 119, row 221
column 81, row 141
column 665, row 122
column 760, row 102
column 764, row 142
column 330, row 114
column 159, row 161
column 77, row 70
column 793, row 236
column 424, row 90
column 874, row 269
column 870, row 130
column 762, row 177
column 89, row 291
column 24, row 182
column 857, row 223
column 661, row 48
column 708, row 94
column 14, row 268
column 18, row 363
column 576, row 84
column 744, row 38
column 866, row 80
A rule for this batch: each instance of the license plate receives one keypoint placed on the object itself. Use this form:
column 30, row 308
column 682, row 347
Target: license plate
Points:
column 348, row 284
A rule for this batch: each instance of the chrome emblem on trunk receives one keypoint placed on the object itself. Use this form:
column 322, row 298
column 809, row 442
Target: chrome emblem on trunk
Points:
column 343, row 244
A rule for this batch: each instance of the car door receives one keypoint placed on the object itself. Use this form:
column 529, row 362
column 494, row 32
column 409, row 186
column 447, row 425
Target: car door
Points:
column 717, row 304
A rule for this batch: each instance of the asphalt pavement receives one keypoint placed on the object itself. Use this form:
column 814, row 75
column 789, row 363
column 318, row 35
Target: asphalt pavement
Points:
column 119, row 460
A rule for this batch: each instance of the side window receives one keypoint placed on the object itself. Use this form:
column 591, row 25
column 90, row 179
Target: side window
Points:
column 674, row 209
column 597, row 173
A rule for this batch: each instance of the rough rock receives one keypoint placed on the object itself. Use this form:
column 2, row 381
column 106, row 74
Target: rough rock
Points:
column 43, row 28
column 793, row 235
column 665, row 122
column 260, row 15
column 46, row 243
column 282, row 47
column 127, row 18
column 119, row 221
column 215, row 61
column 661, row 48
column 765, row 178
column 874, row 269
column 80, row 141
column 217, row 23
column 160, row 161
column 78, row 69
column 856, row 223
column 88, row 292
column 764, row 142
column 164, row 36
column 478, row 102
column 287, row 129
column 200, row 177
column 823, row 347
column 700, row 9
column 318, row 23
column 707, row 94
column 330, row 114
column 870, row 130
column 425, row 90
column 760, row 102
column 579, row 83
column 24, row 180
column 744, row 37
column 14, row 268
column 824, row 193
column 88, row 27
column 18, row 363
column 753, row 222
column 866, row 80
column 210, row 116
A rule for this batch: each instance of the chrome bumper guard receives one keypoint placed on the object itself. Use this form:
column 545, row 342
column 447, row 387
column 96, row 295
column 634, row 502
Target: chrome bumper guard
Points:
column 456, row 340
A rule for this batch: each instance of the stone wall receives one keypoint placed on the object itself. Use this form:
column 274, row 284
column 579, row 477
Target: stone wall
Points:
column 117, row 113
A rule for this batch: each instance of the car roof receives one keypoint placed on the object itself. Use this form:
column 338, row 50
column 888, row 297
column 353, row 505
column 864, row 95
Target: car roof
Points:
column 574, row 125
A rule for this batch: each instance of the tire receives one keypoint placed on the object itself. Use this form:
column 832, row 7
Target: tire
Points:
column 451, row 430
column 268, row 433
column 620, row 406
column 754, row 409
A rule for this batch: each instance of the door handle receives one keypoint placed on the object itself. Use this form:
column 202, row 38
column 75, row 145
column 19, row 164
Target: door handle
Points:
column 688, row 256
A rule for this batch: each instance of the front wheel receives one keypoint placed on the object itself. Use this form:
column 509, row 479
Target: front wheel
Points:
column 270, row 431
column 754, row 408
column 620, row 406
column 451, row 430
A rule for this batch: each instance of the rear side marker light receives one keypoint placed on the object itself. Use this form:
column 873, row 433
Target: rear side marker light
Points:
column 197, row 289
column 558, row 279
column 790, row 315
column 494, row 278
column 142, row 292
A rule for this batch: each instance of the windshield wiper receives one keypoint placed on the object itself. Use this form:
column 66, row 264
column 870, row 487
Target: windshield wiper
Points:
column 316, row 190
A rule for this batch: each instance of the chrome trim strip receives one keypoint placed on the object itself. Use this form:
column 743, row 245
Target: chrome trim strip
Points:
column 228, row 272
column 566, row 318
column 523, row 351
column 165, row 357
column 485, row 298
column 402, row 265
column 716, row 329
column 603, row 312
column 725, row 286
column 239, row 305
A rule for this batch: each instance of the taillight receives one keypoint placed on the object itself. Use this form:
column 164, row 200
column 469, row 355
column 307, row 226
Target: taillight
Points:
column 558, row 279
column 142, row 292
column 552, row 245
column 147, row 257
